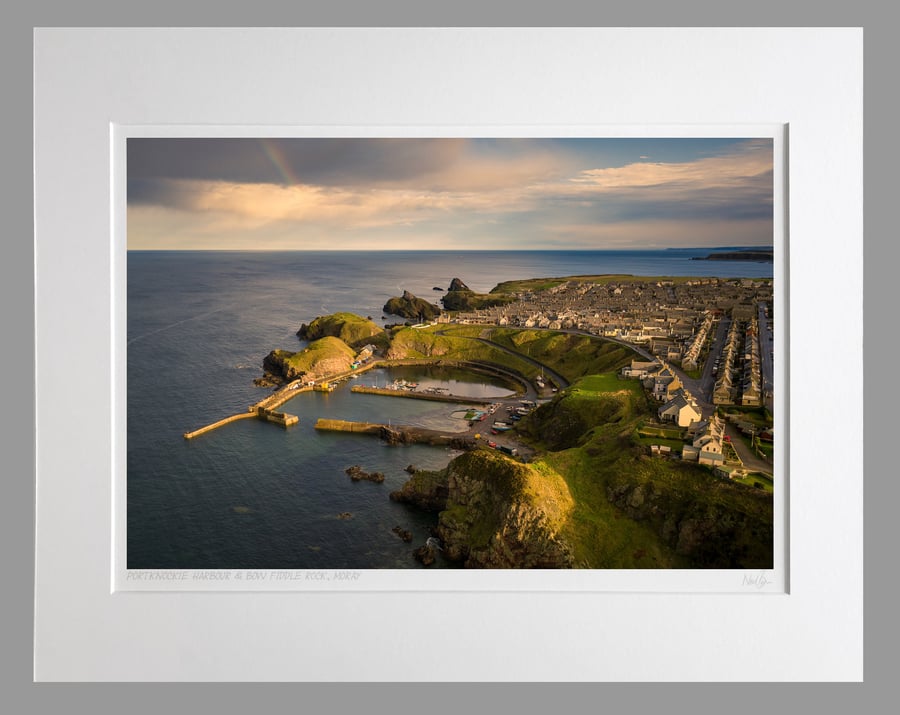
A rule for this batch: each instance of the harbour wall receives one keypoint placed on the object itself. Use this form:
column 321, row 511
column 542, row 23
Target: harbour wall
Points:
column 399, row 434
column 421, row 395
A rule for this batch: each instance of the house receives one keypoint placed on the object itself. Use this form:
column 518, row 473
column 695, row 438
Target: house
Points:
column 681, row 410
column 706, row 447
column 664, row 385
column 639, row 369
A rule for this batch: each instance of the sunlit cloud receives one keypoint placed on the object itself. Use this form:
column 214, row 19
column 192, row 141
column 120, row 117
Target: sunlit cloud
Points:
column 731, row 171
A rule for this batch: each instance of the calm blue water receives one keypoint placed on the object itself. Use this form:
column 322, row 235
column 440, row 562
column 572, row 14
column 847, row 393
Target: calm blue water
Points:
column 253, row 495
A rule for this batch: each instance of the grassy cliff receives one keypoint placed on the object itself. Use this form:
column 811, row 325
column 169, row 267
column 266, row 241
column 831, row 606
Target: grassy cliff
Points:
column 593, row 498
column 325, row 356
column 351, row 329
column 571, row 355
column 496, row 512
column 432, row 343
column 636, row 511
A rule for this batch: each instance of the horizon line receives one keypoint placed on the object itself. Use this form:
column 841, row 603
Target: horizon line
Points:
column 441, row 250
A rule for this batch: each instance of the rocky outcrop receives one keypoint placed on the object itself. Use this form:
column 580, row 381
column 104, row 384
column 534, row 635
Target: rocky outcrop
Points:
column 425, row 554
column 358, row 474
column 425, row 490
column 404, row 534
column 489, row 517
column 269, row 379
column 409, row 306
column 457, row 284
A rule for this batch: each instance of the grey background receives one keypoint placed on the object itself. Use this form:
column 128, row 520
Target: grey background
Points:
column 17, row 524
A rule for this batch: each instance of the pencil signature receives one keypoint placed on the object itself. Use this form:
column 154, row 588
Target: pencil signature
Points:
column 756, row 580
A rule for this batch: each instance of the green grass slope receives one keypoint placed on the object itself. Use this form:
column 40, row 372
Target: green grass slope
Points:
column 431, row 343
column 571, row 355
column 636, row 511
column 323, row 357
column 350, row 328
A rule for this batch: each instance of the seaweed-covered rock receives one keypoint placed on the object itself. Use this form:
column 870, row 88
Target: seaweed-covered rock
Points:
column 358, row 474
column 404, row 534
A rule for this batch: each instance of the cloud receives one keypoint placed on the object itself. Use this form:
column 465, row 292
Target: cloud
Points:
column 283, row 161
column 736, row 186
column 456, row 192
column 729, row 171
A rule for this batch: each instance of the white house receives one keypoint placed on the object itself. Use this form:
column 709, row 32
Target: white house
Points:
column 680, row 409
column 706, row 447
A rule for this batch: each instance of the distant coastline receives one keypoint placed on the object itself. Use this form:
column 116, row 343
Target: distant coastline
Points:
column 759, row 256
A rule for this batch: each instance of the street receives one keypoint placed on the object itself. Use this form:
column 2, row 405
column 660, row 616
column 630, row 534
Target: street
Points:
column 766, row 352
column 745, row 454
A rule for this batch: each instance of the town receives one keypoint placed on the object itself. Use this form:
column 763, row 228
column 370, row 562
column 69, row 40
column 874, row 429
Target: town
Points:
column 707, row 352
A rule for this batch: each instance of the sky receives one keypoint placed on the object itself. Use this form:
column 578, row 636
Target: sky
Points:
column 448, row 194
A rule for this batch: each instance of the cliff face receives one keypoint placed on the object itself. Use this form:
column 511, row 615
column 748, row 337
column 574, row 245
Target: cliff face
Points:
column 490, row 515
column 409, row 306
column 425, row 490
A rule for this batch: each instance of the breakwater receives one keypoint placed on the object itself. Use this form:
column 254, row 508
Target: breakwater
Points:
column 284, row 419
column 266, row 409
column 422, row 395
column 399, row 434
column 220, row 423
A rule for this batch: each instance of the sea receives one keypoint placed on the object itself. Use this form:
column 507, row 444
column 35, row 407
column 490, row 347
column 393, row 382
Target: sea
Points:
column 257, row 495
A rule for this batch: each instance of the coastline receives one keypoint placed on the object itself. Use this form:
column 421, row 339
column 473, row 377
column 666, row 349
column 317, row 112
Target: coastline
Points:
column 298, row 435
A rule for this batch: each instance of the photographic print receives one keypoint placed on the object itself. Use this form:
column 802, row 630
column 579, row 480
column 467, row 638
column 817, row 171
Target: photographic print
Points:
column 451, row 353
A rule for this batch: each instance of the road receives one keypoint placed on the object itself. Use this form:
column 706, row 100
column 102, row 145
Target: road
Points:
column 745, row 454
column 702, row 389
column 766, row 349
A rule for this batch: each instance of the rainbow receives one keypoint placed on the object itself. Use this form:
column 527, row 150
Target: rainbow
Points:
column 274, row 153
